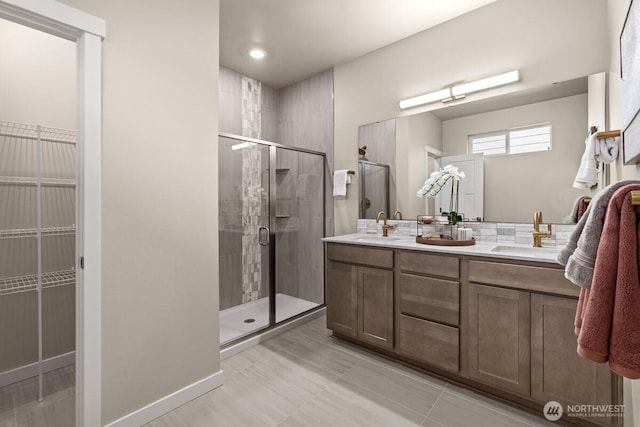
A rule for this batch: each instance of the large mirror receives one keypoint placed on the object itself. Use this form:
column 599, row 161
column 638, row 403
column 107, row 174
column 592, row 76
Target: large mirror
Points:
column 515, row 185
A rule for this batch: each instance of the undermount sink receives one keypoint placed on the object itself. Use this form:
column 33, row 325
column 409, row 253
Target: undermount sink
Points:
column 526, row 251
column 379, row 239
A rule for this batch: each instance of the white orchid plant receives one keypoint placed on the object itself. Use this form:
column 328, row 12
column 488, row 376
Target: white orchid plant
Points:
column 437, row 181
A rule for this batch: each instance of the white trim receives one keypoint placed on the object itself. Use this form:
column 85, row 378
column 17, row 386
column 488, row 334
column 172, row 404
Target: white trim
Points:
column 170, row 402
column 31, row 370
column 88, row 233
column 52, row 17
column 430, row 150
column 253, row 341
column 87, row 31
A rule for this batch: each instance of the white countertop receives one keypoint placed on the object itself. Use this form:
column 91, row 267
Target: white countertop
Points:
column 509, row 251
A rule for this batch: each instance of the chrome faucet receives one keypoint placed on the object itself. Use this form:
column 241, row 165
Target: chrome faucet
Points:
column 537, row 234
column 385, row 227
column 397, row 215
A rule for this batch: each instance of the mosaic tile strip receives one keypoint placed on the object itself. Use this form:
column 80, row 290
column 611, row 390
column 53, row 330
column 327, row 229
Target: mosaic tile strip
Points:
column 491, row 232
column 251, row 191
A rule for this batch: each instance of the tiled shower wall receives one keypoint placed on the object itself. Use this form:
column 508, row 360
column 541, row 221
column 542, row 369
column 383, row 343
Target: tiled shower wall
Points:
column 251, row 191
column 300, row 115
column 305, row 119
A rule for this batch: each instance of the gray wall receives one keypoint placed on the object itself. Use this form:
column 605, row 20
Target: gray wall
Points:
column 380, row 139
column 305, row 120
column 159, row 212
column 548, row 40
column 538, row 181
column 300, row 115
column 413, row 133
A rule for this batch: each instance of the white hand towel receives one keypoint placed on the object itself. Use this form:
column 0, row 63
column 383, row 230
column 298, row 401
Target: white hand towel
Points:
column 340, row 181
column 587, row 175
column 607, row 150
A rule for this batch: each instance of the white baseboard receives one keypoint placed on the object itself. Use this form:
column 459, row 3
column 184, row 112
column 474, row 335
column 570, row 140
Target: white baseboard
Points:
column 169, row 402
column 180, row 397
column 31, row 370
column 248, row 343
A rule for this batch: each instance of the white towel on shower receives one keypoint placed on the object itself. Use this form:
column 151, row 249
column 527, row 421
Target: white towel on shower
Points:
column 587, row 175
column 340, row 181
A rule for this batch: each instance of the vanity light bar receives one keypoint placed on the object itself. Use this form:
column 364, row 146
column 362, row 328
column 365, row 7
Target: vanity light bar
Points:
column 427, row 98
column 459, row 91
column 488, row 83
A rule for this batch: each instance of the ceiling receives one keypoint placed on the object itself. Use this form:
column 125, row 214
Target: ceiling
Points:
column 304, row 37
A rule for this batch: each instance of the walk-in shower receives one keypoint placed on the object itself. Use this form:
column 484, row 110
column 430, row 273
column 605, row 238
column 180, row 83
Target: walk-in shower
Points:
column 272, row 219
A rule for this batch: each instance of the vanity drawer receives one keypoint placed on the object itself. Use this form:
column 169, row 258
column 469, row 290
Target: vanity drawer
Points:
column 429, row 342
column 437, row 265
column 382, row 258
column 538, row 279
column 429, row 298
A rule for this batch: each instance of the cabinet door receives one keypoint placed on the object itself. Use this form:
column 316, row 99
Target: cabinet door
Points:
column 342, row 298
column 499, row 340
column 375, row 306
column 557, row 371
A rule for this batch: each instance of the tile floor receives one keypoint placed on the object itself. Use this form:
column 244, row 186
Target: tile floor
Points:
column 19, row 406
column 305, row 377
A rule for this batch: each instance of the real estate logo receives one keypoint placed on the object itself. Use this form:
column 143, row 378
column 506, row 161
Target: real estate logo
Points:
column 552, row 410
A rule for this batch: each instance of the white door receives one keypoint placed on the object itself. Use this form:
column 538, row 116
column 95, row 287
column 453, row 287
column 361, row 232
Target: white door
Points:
column 471, row 198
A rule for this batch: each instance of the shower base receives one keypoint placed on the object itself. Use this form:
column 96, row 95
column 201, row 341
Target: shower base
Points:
column 242, row 320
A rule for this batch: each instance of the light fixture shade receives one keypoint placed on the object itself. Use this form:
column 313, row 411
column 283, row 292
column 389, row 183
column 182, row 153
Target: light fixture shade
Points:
column 459, row 91
column 488, row 83
column 426, row 98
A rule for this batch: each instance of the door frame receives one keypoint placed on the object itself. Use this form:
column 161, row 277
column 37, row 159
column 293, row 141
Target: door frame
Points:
column 87, row 32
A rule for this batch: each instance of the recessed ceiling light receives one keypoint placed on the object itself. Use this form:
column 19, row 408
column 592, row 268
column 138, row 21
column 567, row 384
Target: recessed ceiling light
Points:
column 257, row 53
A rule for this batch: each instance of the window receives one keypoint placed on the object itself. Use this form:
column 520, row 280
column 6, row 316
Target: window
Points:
column 512, row 141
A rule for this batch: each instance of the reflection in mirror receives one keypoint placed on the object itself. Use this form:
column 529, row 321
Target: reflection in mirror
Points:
column 376, row 147
column 374, row 189
column 515, row 185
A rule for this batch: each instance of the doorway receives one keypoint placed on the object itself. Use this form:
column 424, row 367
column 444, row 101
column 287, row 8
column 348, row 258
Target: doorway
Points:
column 87, row 32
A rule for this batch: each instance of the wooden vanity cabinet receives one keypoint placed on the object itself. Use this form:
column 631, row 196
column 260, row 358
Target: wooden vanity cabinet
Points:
column 491, row 324
column 521, row 337
column 498, row 337
column 428, row 309
column 360, row 293
column 557, row 371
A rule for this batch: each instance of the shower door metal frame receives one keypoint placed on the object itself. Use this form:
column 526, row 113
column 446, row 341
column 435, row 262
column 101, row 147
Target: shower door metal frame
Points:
column 273, row 241
column 363, row 186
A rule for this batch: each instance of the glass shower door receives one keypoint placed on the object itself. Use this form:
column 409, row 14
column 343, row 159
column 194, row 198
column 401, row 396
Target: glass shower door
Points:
column 374, row 189
column 244, row 234
column 299, row 228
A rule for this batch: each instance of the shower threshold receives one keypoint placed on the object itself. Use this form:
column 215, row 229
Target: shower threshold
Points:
column 244, row 319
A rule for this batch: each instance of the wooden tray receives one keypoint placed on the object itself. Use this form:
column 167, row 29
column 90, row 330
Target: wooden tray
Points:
column 444, row 242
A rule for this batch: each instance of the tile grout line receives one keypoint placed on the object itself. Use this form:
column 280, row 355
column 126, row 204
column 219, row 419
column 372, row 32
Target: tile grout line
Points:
column 178, row 417
column 426, row 417
column 314, row 396
column 497, row 410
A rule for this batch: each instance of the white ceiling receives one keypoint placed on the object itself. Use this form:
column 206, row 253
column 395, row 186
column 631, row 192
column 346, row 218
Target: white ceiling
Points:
column 304, row 37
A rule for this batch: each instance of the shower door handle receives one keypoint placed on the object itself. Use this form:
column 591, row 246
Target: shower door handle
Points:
column 262, row 241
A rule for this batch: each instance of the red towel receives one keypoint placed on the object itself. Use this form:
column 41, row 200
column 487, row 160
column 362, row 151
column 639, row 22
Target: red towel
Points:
column 608, row 316
column 582, row 206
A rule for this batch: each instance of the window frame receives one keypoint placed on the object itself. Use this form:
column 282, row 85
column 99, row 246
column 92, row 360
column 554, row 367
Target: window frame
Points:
column 507, row 139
